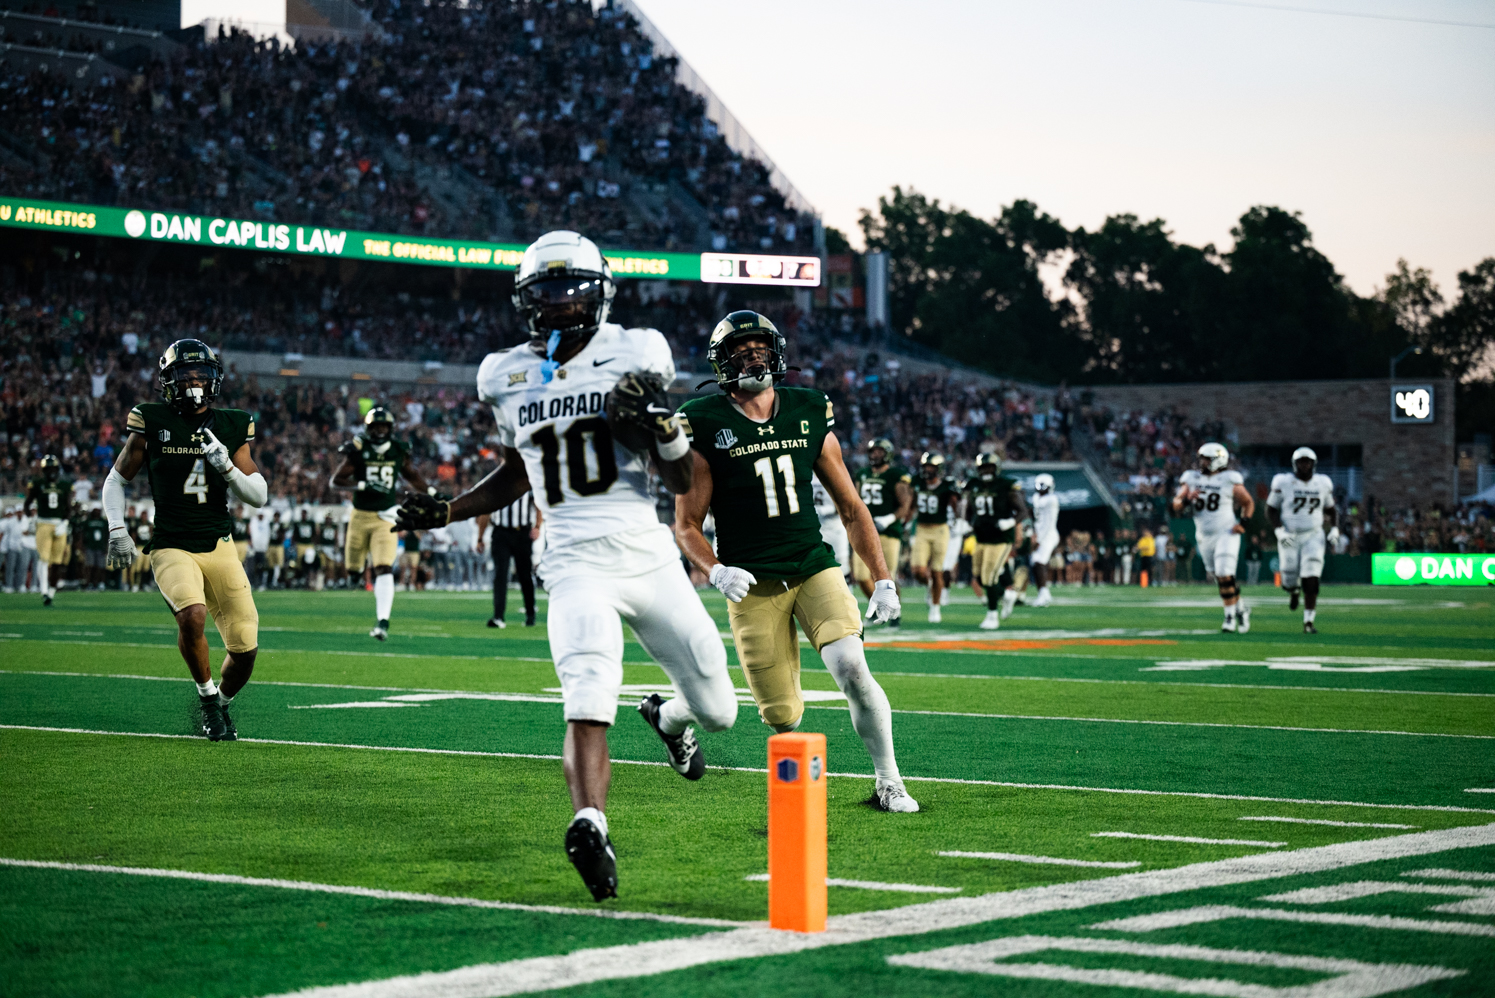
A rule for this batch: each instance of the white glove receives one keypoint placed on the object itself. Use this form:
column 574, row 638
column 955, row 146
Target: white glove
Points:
column 216, row 454
column 1006, row 524
column 883, row 605
column 1284, row 538
column 1332, row 537
column 121, row 550
column 733, row 582
column 961, row 528
column 882, row 522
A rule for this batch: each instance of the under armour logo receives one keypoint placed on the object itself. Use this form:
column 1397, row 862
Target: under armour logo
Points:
column 765, row 431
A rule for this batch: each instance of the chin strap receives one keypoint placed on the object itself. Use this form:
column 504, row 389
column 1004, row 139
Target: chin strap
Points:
column 549, row 365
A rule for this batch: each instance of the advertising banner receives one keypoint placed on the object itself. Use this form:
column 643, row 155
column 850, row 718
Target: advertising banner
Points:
column 1433, row 570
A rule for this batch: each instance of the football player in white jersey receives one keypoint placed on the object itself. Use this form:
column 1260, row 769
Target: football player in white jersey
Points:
column 1045, row 534
column 607, row 557
column 832, row 530
column 1211, row 494
column 1299, row 506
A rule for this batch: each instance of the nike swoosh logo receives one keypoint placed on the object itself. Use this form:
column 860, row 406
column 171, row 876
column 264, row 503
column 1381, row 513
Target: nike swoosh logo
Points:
column 655, row 408
column 599, row 363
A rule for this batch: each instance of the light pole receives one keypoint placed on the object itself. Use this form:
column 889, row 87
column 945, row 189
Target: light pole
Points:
column 1398, row 357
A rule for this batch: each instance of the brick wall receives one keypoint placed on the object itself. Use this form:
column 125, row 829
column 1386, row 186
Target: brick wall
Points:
column 1404, row 464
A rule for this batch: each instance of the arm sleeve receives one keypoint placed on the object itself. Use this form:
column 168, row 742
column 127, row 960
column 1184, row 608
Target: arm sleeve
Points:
column 114, row 500
column 251, row 488
column 656, row 356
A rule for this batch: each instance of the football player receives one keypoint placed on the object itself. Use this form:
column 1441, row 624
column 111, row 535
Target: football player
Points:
column 373, row 464
column 832, row 530
column 887, row 491
column 1298, row 507
column 757, row 448
column 607, row 557
column 934, row 498
column 197, row 456
column 995, row 508
column 1045, row 534
column 53, row 496
column 1211, row 494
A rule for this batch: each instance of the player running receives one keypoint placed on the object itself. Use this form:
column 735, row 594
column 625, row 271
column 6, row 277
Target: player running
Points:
column 1298, row 507
column 196, row 457
column 887, row 491
column 757, row 448
column 53, row 497
column 934, row 498
column 373, row 464
column 1045, row 534
column 607, row 556
column 995, row 509
column 1211, row 494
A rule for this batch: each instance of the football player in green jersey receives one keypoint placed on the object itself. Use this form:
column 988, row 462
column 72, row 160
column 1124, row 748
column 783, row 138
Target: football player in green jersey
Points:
column 372, row 466
column 995, row 510
column 933, row 499
column 757, row 448
column 887, row 491
column 53, row 496
column 197, row 456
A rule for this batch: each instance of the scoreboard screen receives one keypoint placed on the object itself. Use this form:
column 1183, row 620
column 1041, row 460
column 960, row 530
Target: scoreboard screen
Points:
column 749, row 268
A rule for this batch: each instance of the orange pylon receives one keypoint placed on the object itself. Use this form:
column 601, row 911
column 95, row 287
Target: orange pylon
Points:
column 796, row 832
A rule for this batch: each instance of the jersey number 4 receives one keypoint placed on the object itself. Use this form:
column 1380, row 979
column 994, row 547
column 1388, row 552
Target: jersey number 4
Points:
column 581, row 433
column 197, row 482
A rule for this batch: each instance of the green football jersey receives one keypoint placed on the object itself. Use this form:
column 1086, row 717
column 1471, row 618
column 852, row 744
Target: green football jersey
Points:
column 990, row 500
column 761, row 494
column 378, row 466
column 95, row 533
column 932, row 502
column 879, row 490
column 191, row 498
column 50, row 499
column 305, row 532
column 241, row 529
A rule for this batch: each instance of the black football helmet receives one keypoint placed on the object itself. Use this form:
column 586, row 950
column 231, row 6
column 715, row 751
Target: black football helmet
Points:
column 931, row 465
column 184, row 360
column 883, row 444
column 380, row 423
column 754, row 376
column 51, row 467
column 988, row 466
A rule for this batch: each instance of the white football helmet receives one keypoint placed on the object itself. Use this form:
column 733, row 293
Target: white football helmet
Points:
column 1213, row 457
column 1303, row 452
column 564, row 286
column 1043, row 484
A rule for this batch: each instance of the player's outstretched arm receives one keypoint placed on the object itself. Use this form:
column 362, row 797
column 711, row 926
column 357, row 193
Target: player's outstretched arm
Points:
column 830, row 468
column 500, row 487
column 690, row 513
column 342, row 478
column 121, row 546
column 902, row 490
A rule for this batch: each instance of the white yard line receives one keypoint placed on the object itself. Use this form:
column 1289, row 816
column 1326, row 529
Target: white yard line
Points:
column 1479, row 790
column 493, row 980
column 1445, row 874
column 1218, row 912
column 757, row 769
column 870, row 885
column 1324, row 821
column 373, row 892
column 1017, row 857
column 1188, row 838
column 1349, row 891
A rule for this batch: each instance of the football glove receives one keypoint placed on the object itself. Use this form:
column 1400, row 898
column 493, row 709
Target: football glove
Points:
column 422, row 512
column 1006, row 523
column 121, row 550
column 1284, row 537
column 1332, row 537
column 733, row 582
column 639, row 411
column 883, row 522
column 215, row 453
column 883, row 606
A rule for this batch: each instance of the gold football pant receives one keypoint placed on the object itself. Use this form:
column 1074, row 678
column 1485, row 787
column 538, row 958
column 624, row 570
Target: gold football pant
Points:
column 988, row 561
column 52, row 544
column 931, row 541
column 892, row 547
column 768, row 645
column 370, row 536
column 216, row 579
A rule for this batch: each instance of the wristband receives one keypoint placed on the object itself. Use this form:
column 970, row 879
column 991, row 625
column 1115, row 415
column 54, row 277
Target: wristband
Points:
column 430, row 490
column 674, row 448
column 360, row 486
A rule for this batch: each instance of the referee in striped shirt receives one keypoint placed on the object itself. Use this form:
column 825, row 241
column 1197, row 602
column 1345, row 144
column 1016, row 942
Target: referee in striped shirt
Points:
column 515, row 529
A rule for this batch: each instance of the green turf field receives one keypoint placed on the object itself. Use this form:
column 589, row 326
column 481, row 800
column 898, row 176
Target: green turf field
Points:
column 1117, row 799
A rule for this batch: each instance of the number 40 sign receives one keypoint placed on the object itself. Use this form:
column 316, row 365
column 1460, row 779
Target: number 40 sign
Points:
column 1411, row 403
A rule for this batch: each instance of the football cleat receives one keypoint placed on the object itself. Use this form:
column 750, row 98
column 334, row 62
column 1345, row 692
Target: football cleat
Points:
column 1292, row 598
column 592, row 854
column 529, row 619
column 686, row 757
column 893, row 797
column 214, row 725
column 1308, row 627
column 991, row 621
column 228, row 722
column 1242, row 619
column 495, row 622
column 380, row 631
column 1009, row 600
column 1044, row 598
column 46, row 600
column 934, row 614
column 1228, row 627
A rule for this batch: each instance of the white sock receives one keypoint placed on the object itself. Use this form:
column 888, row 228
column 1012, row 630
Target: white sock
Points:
column 870, row 714
column 595, row 816
column 207, row 689
column 1230, row 613
column 1308, row 616
column 384, row 596
column 675, row 716
column 41, row 578
column 1009, row 596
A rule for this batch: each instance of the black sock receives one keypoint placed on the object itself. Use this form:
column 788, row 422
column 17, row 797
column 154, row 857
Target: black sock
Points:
column 993, row 596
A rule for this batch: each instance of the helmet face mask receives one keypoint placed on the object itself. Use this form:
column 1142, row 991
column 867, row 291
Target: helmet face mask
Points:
column 51, row 467
column 931, row 466
column 380, row 423
column 564, row 288
column 1302, row 456
column 1213, row 457
column 747, row 369
column 879, row 444
column 988, row 466
column 191, row 375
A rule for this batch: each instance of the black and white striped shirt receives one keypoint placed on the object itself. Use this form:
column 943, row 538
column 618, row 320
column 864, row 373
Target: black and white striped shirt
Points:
column 517, row 515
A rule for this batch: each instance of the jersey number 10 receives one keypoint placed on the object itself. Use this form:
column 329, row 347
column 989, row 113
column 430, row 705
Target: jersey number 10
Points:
column 592, row 430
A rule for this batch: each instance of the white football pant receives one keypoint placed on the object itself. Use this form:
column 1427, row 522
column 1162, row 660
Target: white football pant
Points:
column 1304, row 559
column 1220, row 552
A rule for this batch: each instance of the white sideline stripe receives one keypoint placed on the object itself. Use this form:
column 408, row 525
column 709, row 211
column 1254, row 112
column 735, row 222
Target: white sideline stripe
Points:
column 751, row 769
column 372, row 892
column 493, row 980
column 1324, row 821
column 1158, row 682
column 1187, row 838
column 1445, row 874
column 1349, row 891
column 870, row 885
column 1017, row 857
column 1479, row 790
column 1219, row 912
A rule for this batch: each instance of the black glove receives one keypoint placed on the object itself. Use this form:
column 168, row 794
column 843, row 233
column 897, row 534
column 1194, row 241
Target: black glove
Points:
column 639, row 412
column 422, row 512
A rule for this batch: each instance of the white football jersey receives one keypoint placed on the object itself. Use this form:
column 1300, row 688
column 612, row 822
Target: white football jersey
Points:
column 824, row 505
column 586, row 484
column 1045, row 514
column 1214, row 506
column 1302, row 503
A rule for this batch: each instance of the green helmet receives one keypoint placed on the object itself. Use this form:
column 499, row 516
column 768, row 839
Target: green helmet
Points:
column 51, row 466
column 930, row 459
column 181, row 360
column 881, row 442
column 377, row 417
column 742, row 325
column 988, row 466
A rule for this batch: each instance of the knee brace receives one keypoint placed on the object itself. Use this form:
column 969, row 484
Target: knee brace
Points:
column 1228, row 587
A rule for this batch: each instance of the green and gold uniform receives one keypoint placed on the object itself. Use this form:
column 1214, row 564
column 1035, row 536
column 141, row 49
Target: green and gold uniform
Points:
column 932, row 523
column 241, row 537
column 879, row 490
column 192, row 553
column 990, row 500
column 53, row 499
column 377, row 467
column 763, row 504
column 95, row 541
